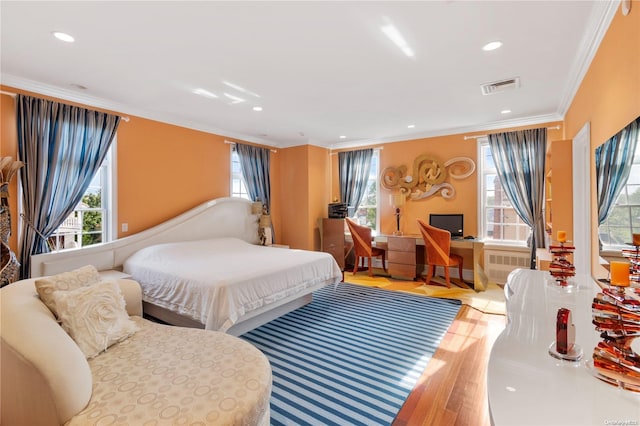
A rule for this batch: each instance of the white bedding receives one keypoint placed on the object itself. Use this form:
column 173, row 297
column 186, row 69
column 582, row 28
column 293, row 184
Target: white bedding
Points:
column 217, row 281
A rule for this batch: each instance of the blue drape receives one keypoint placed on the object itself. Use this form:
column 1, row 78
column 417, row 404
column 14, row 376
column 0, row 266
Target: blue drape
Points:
column 353, row 172
column 255, row 165
column 614, row 159
column 62, row 146
column 520, row 160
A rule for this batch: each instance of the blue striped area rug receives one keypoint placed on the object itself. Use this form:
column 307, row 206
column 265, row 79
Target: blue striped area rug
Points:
column 352, row 356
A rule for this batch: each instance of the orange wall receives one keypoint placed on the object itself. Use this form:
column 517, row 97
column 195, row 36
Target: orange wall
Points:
column 9, row 148
column 319, row 197
column 163, row 170
column 442, row 148
column 303, row 183
column 294, row 208
column 608, row 97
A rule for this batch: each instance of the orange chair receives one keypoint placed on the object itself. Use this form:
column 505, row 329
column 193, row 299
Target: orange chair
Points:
column 361, row 236
column 437, row 243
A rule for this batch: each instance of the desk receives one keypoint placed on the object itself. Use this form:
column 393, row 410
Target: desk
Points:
column 480, row 279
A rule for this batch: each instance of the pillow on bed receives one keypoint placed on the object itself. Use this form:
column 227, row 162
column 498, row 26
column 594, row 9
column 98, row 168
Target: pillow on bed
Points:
column 87, row 275
column 94, row 316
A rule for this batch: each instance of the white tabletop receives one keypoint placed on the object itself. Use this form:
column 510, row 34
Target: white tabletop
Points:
column 526, row 385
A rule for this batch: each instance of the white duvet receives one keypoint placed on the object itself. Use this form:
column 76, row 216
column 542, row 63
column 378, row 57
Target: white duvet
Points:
column 218, row 281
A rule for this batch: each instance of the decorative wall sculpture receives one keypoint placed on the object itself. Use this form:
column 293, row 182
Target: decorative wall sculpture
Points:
column 428, row 176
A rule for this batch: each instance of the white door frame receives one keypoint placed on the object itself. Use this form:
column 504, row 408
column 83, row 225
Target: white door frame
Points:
column 581, row 149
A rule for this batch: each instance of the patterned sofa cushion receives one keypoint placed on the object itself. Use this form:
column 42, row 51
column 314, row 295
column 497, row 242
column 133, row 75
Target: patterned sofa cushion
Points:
column 66, row 281
column 94, row 316
column 174, row 375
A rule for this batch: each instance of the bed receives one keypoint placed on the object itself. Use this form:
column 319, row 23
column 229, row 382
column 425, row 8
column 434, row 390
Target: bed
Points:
column 204, row 269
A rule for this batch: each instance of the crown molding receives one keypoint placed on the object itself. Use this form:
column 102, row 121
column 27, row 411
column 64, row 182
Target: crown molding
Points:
column 599, row 22
column 71, row 96
column 495, row 125
column 119, row 108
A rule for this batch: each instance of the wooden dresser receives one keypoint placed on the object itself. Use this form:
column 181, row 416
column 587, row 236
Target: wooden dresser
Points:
column 401, row 257
column 333, row 239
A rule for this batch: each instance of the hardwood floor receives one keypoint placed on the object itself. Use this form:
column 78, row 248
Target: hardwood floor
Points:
column 452, row 389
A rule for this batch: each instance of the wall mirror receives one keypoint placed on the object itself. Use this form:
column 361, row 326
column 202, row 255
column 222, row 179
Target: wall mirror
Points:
column 618, row 190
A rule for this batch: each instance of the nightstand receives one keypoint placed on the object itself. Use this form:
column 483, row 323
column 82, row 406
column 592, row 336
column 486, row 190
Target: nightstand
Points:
column 112, row 274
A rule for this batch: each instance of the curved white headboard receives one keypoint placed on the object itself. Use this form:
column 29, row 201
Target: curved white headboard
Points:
column 222, row 217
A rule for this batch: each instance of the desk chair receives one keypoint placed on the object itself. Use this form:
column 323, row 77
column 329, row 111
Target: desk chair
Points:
column 437, row 243
column 361, row 236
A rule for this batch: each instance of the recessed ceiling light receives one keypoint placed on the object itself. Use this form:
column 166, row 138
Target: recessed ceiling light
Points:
column 411, row 126
column 63, row 36
column 205, row 93
column 78, row 86
column 505, row 111
column 342, row 136
column 240, row 88
column 257, row 108
column 234, row 99
column 492, row 46
column 394, row 35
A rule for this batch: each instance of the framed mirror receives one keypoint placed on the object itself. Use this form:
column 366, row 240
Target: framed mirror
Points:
column 618, row 190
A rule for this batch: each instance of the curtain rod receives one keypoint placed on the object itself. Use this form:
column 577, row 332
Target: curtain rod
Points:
column 378, row 148
column 233, row 143
column 557, row 127
column 13, row 95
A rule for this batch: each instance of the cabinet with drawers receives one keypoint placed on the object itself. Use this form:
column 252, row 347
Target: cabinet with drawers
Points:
column 333, row 239
column 401, row 257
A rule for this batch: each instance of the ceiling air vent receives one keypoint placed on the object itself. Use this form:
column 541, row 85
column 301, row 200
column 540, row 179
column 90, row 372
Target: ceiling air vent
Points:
column 500, row 86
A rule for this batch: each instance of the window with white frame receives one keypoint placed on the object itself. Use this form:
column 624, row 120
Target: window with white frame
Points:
column 238, row 187
column 367, row 212
column 90, row 222
column 499, row 220
column 624, row 220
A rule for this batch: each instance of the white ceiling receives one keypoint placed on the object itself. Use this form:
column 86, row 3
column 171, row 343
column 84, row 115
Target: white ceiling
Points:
column 319, row 70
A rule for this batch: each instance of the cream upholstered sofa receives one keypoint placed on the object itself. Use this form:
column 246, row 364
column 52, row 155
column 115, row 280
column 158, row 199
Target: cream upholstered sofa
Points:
column 159, row 375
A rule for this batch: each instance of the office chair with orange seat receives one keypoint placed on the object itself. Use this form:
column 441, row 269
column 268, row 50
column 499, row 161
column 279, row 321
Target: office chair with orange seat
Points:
column 437, row 243
column 361, row 236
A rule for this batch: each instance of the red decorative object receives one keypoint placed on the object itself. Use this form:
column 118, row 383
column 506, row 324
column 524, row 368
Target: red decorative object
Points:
column 634, row 259
column 561, row 268
column 616, row 314
column 565, row 331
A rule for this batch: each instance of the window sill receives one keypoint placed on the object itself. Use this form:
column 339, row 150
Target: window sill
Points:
column 611, row 253
column 504, row 245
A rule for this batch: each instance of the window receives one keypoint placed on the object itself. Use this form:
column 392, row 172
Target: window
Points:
column 499, row 220
column 90, row 222
column 238, row 188
column 615, row 232
column 367, row 212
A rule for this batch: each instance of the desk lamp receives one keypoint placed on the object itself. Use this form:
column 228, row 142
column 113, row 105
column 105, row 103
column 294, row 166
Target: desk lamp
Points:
column 265, row 230
column 397, row 201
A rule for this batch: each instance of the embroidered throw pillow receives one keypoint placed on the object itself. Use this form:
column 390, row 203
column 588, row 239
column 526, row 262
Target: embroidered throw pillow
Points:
column 94, row 316
column 87, row 275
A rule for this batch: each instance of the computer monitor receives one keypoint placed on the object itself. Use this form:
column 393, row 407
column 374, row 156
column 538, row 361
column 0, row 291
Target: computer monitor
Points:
column 453, row 223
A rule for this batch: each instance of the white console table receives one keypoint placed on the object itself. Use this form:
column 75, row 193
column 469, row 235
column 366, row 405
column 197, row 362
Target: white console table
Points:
column 527, row 386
